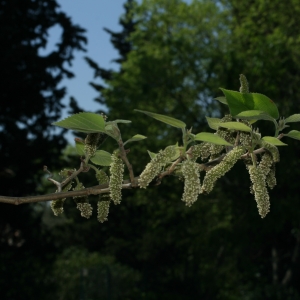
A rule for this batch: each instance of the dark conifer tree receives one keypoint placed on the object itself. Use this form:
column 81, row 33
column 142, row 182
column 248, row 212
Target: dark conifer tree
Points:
column 31, row 99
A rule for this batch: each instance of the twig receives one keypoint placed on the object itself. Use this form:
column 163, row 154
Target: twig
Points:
column 123, row 155
column 94, row 190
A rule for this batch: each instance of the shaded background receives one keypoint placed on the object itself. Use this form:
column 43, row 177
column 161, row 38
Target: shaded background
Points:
column 171, row 58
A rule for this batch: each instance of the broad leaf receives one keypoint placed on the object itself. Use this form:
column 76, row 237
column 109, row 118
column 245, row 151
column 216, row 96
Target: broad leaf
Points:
column 222, row 100
column 101, row 158
column 273, row 141
column 80, row 148
column 151, row 154
column 254, row 115
column 293, row 118
column 165, row 119
column 235, row 126
column 211, row 138
column 294, row 134
column 135, row 138
column 213, row 123
column 239, row 102
column 83, row 122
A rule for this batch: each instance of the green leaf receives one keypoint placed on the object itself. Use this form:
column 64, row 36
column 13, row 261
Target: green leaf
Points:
column 101, row 158
column 239, row 102
column 213, row 123
column 294, row 134
column 222, row 100
column 211, row 138
column 236, row 126
column 254, row 115
column 80, row 148
column 83, row 122
column 135, row 138
column 165, row 119
column 293, row 118
column 118, row 121
column 273, row 141
column 151, row 154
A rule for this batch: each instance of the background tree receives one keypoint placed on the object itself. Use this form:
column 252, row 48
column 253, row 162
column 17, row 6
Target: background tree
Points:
column 179, row 54
column 30, row 101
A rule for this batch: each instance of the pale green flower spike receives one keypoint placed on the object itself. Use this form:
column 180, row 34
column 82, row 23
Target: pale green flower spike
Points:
column 154, row 167
column 102, row 177
column 221, row 169
column 271, row 179
column 85, row 209
column 116, row 178
column 273, row 150
column 244, row 84
column 265, row 163
column 201, row 150
column 103, row 210
column 190, row 172
column 260, row 190
column 245, row 139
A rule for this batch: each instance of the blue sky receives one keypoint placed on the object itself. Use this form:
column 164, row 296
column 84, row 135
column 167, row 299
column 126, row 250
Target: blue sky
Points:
column 92, row 15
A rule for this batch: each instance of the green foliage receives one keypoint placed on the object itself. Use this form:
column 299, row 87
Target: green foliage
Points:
column 83, row 122
column 211, row 138
column 244, row 142
column 239, row 102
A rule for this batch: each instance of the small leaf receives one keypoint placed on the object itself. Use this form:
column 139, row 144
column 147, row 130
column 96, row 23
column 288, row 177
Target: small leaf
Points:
column 118, row 121
column 273, row 141
column 236, row 126
column 83, row 122
column 135, row 138
column 254, row 115
column 294, row 134
column 239, row 102
column 213, row 123
column 151, row 154
column 101, row 158
column 222, row 100
column 211, row 138
column 165, row 119
column 293, row 118
column 80, row 148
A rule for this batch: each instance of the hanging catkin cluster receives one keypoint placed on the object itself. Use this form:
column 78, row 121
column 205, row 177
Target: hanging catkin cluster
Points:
column 261, row 195
column 154, row 167
column 102, row 210
column 221, row 169
column 116, row 178
column 190, row 172
column 101, row 177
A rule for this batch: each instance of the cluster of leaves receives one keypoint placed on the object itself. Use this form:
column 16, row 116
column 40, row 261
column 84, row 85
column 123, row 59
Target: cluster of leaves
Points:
column 235, row 138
